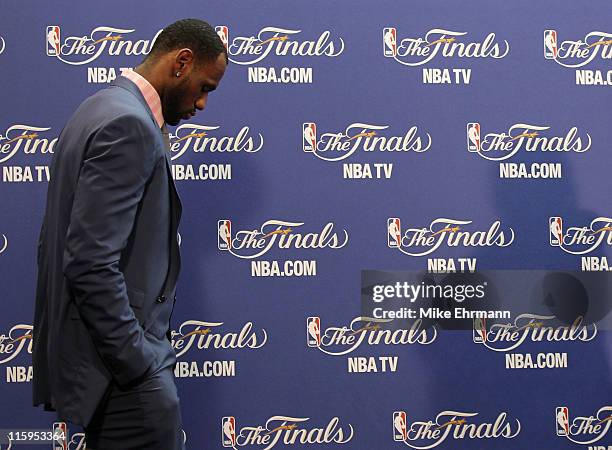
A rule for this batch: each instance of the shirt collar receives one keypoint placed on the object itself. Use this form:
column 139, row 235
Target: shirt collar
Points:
column 149, row 93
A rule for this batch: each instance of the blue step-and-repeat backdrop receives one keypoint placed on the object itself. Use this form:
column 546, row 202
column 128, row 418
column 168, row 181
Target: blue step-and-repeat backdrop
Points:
column 345, row 136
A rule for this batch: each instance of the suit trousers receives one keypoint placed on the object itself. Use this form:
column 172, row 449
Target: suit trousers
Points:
column 143, row 416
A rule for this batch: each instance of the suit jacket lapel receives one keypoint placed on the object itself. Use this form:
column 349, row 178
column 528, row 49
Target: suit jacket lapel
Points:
column 131, row 87
column 177, row 208
column 175, row 201
column 174, row 193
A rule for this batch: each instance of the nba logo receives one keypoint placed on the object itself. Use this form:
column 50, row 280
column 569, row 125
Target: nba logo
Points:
column 550, row 44
column 389, row 42
column 53, row 41
column 562, row 414
column 399, row 426
column 479, row 333
column 393, row 232
column 313, row 331
column 224, row 234
column 60, row 436
column 309, row 136
column 473, row 137
column 555, row 231
column 228, row 427
column 223, row 33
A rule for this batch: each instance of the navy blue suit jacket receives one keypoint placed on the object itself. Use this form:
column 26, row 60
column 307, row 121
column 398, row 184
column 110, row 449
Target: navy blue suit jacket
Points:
column 108, row 256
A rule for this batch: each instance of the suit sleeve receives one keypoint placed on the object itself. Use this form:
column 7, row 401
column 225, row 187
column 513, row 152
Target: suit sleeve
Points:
column 116, row 167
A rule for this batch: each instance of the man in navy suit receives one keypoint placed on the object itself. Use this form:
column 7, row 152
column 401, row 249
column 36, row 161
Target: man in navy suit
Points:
column 108, row 256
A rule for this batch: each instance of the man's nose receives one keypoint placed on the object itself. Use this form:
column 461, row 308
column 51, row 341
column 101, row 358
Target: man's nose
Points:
column 201, row 102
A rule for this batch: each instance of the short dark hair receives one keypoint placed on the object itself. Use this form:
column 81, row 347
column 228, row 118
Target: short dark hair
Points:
column 194, row 34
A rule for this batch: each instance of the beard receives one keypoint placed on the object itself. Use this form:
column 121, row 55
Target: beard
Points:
column 171, row 106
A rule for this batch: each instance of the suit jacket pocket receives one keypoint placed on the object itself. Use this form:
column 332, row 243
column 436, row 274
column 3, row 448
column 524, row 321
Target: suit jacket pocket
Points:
column 135, row 297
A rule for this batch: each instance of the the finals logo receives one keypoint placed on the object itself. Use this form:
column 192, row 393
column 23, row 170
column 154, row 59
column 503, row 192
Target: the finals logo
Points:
column 584, row 430
column 439, row 42
column 284, row 430
column 577, row 53
column 580, row 240
column 369, row 138
column 207, row 139
column 452, row 232
column 505, row 337
column 204, row 335
column 25, row 138
column 499, row 146
column 284, row 235
column 270, row 40
column 337, row 341
column 79, row 50
column 18, row 340
column 451, row 425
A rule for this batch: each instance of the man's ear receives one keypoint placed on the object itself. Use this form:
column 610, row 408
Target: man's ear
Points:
column 183, row 61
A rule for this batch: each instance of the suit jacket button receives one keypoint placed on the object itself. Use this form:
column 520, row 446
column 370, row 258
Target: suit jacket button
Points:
column 161, row 299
